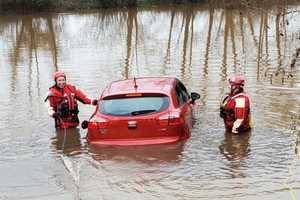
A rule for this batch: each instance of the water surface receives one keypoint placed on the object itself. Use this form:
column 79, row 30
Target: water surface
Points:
column 201, row 45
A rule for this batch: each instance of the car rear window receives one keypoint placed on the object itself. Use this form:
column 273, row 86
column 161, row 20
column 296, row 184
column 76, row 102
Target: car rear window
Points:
column 131, row 106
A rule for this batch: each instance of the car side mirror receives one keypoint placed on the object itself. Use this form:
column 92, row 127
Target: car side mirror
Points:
column 194, row 96
column 95, row 102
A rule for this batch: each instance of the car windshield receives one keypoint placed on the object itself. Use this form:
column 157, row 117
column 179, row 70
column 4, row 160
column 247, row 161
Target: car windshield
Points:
column 134, row 105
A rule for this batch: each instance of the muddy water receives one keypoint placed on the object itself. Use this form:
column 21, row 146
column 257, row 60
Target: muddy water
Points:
column 200, row 45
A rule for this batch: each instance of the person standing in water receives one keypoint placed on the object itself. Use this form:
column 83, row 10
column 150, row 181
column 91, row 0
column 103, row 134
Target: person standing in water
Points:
column 235, row 107
column 62, row 100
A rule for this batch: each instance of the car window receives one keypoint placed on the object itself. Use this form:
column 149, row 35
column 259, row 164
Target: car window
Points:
column 181, row 93
column 134, row 105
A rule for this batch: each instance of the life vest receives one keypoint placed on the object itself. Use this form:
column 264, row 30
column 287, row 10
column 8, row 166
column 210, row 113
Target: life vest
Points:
column 65, row 104
column 236, row 107
column 68, row 106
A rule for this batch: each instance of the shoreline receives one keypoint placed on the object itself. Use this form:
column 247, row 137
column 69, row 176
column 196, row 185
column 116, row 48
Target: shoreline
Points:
column 39, row 6
column 32, row 6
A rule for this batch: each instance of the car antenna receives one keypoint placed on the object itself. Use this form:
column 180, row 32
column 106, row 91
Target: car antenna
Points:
column 135, row 85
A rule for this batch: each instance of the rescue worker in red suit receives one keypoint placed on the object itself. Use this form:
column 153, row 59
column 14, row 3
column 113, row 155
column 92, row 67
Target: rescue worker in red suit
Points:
column 62, row 102
column 235, row 107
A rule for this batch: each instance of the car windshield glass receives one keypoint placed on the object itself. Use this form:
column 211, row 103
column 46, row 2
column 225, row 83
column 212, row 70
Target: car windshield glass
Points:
column 134, row 105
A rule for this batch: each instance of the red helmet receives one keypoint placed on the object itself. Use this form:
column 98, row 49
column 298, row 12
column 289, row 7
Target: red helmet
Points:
column 58, row 74
column 237, row 80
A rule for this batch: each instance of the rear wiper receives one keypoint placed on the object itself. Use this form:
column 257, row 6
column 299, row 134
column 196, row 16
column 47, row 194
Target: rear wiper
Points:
column 141, row 112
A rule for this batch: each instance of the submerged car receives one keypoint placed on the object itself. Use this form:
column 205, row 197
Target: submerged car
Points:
column 142, row 111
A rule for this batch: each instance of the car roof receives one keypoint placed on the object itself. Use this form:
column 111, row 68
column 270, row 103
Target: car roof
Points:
column 162, row 85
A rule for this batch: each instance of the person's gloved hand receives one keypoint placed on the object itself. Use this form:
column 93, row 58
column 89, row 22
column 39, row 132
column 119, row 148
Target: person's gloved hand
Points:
column 222, row 112
column 236, row 125
column 55, row 115
column 234, row 130
column 84, row 124
column 94, row 102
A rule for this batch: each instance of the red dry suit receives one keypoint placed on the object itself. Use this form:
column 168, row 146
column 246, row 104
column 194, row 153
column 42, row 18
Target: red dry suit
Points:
column 235, row 110
column 64, row 102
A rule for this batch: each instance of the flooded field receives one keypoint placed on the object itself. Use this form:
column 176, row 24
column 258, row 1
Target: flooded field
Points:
column 202, row 45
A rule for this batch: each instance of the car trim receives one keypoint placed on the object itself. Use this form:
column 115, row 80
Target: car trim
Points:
column 138, row 141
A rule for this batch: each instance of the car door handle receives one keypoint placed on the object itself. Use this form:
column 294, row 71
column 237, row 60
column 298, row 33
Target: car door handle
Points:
column 132, row 124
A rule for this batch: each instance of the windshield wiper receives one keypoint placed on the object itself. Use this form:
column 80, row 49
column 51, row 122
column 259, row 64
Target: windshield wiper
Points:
column 141, row 112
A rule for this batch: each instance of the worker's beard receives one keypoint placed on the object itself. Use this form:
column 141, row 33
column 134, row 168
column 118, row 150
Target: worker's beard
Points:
column 236, row 89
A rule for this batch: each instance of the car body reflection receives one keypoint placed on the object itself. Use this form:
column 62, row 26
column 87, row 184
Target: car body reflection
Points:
column 146, row 154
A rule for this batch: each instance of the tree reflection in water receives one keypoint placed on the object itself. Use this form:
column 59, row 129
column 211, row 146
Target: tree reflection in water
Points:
column 236, row 22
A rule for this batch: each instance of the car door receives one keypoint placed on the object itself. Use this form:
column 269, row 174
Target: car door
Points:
column 183, row 100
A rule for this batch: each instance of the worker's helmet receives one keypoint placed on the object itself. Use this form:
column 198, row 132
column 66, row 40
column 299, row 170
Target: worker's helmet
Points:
column 58, row 74
column 237, row 80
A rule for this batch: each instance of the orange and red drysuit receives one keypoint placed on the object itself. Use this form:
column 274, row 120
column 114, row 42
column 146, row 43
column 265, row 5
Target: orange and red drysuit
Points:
column 235, row 110
column 64, row 103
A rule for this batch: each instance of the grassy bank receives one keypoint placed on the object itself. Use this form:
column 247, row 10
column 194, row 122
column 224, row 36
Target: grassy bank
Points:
column 69, row 5
column 59, row 5
column 46, row 5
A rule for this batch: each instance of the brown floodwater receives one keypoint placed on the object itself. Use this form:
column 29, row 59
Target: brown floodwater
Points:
column 201, row 45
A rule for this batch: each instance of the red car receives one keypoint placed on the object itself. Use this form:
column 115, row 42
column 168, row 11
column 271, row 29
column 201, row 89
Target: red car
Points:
column 142, row 111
